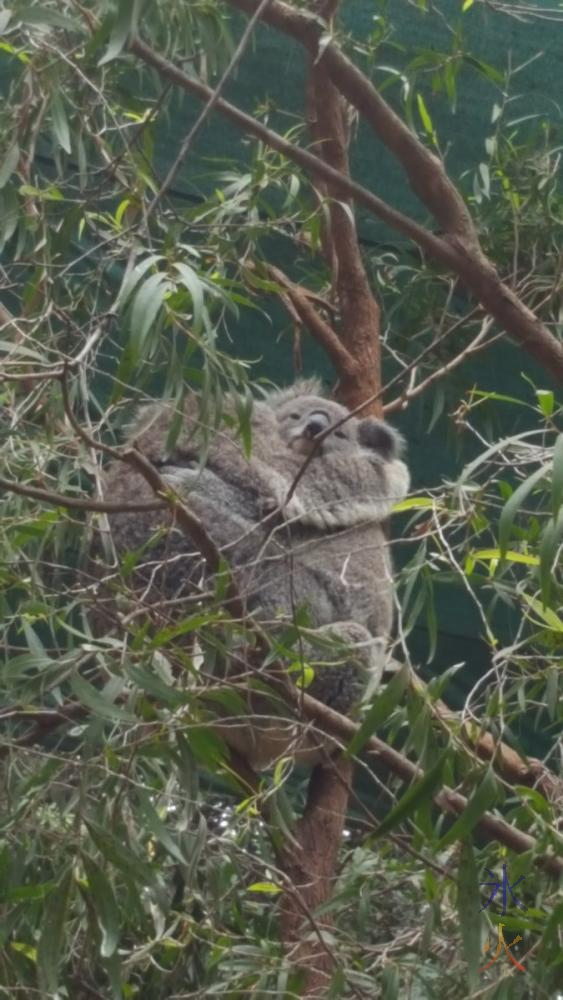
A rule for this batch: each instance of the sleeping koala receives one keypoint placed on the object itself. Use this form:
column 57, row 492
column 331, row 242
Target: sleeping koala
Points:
column 327, row 550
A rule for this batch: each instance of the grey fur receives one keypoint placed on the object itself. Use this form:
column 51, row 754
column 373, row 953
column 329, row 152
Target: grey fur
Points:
column 327, row 548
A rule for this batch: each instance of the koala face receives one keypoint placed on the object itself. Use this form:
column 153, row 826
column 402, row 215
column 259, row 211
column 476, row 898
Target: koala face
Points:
column 305, row 418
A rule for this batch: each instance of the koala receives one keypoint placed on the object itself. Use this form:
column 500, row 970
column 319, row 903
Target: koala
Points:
column 322, row 545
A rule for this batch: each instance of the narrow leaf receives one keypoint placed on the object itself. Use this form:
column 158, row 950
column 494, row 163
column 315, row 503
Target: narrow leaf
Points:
column 9, row 215
column 60, row 122
column 158, row 828
column 557, row 480
column 132, row 278
column 268, row 887
column 148, row 303
column 380, row 710
column 425, row 117
column 547, row 615
column 513, row 505
column 105, row 906
column 468, row 906
column 418, row 793
column 120, row 855
column 88, row 695
column 488, row 555
column 9, row 163
column 549, row 546
column 481, row 800
column 414, row 503
column 194, row 286
column 125, row 23
column 53, row 928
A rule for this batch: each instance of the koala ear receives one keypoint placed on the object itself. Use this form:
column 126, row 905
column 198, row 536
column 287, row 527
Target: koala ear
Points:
column 379, row 437
column 302, row 387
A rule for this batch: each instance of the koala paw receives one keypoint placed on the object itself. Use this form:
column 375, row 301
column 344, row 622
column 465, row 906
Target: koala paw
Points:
column 293, row 510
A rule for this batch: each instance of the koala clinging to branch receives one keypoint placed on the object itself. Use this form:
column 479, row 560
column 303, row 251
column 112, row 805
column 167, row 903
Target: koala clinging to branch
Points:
column 327, row 550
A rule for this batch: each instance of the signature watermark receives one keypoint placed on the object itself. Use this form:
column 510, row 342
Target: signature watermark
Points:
column 506, row 888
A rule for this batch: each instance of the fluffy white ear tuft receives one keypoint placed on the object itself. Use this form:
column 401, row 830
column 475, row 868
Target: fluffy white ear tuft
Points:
column 302, row 387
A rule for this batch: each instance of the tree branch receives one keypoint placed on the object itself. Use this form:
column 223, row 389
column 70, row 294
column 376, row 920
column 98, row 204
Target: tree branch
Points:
column 322, row 332
column 446, row 799
column 424, row 170
column 457, row 251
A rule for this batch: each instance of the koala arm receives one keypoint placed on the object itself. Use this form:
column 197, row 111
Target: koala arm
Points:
column 339, row 491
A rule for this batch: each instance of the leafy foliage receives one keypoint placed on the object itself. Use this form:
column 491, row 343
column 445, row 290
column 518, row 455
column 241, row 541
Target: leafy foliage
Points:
column 133, row 862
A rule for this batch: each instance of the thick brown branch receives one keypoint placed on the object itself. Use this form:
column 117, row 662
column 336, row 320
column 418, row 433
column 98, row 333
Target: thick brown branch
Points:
column 434, row 245
column 424, row 170
column 509, row 764
column 359, row 311
column 492, row 827
column 311, row 871
column 476, row 272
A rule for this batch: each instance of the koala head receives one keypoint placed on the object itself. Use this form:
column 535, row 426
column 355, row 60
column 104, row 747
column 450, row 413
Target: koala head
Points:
column 305, row 418
column 304, row 415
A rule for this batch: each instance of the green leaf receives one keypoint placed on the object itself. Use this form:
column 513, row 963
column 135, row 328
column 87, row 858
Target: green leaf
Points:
column 546, row 400
column 156, row 687
column 41, row 15
column 158, row 828
column 9, row 164
column 482, row 799
column 60, row 122
column 380, row 710
column 485, row 178
column 120, row 855
column 105, row 906
column 9, row 216
column 414, row 503
column 486, row 555
column 267, row 887
column 124, row 26
column 557, row 478
column 194, row 286
column 418, row 793
column 468, row 906
column 132, row 278
column 21, row 351
column 207, row 746
column 425, row 117
column 88, row 695
column 548, row 549
column 25, row 949
column 53, row 927
column 390, row 980
column 547, row 615
column 513, row 505
column 146, row 306
column 465, row 6
column 24, row 892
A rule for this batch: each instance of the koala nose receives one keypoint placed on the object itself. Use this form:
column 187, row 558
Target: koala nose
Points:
column 315, row 426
